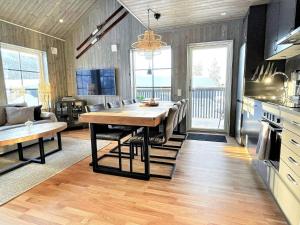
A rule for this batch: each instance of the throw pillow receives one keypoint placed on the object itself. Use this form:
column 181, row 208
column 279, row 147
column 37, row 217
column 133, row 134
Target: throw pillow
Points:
column 37, row 112
column 19, row 115
column 2, row 115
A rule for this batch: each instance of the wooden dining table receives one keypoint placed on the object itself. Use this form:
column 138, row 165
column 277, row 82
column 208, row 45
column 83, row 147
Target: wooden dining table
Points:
column 137, row 115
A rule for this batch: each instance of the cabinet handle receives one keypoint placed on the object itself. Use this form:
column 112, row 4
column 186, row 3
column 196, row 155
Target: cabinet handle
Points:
column 291, row 179
column 292, row 160
column 295, row 123
column 292, row 141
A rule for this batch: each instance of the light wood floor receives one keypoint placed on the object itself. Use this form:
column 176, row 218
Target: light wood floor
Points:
column 214, row 184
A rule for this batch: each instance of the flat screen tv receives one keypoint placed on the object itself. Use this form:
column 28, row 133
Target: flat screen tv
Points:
column 96, row 82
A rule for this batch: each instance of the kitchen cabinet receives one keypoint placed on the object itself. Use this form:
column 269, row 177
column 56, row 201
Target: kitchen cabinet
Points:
column 272, row 26
column 282, row 18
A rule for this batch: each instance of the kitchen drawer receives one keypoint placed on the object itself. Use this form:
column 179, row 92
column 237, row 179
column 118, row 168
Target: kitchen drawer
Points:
column 287, row 201
column 291, row 140
column 290, row 178
column 291, row 159
column 291, row 121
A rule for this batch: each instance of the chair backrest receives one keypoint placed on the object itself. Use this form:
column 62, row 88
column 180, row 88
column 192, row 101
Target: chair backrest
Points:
column 169, row 123
column 115, row 104
column 179, row 105
column 95, row 108
column 127, row 102
column 185, row 108
column 180, row 117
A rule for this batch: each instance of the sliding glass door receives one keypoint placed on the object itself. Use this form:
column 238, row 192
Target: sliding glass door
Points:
column 209, row 79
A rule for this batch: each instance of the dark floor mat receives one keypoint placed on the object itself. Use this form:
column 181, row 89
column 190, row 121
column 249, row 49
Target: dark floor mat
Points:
column 207, row 137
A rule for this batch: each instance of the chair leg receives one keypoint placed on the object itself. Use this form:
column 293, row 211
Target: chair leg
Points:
column 131, row 149
column 120, row 155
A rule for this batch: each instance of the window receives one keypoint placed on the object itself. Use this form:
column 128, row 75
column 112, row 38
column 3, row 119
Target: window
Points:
column 22, row 69
column 152, row 73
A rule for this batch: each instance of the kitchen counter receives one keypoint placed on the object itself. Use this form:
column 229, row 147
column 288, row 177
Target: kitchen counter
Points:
column 277, row 105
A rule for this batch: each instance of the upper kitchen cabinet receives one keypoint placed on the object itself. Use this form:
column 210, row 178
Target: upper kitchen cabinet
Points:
column 272, row 27
column 282, row 18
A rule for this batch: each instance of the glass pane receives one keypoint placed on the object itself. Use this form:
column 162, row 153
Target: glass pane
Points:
column 163, row 59
column 31, row 97
column 142, row 79
column 12, row 79
column 162, row 78
column 209, row 67
column 142, row 61
column 10, row 59
column 30, row 80
column 29, row 62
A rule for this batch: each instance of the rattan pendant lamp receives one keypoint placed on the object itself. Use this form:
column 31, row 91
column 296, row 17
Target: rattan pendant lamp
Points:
column 149, row 41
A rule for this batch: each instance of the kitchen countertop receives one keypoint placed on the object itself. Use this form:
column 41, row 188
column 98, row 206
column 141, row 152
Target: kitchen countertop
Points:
column 277, row 104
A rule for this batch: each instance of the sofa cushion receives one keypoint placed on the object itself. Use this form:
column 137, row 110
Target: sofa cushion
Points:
column 3, row 111
column 37, row 112
column 17, row 115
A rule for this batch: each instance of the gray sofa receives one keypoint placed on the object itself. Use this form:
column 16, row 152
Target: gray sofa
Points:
column 46, row 117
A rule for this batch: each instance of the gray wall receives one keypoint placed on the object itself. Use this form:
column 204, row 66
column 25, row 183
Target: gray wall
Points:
column 179, row 38
column 15, row 35
column 100, row 55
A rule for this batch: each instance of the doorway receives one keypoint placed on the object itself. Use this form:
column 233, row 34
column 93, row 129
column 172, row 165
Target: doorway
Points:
column 209, row 85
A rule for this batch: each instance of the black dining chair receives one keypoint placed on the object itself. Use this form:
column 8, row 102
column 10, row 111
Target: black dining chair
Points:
column 104, row 132
column 159, row 138
column 131, row 129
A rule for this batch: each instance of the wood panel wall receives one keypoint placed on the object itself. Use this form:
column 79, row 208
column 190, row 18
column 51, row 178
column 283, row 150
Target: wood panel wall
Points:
column 180, row 38
column 100, row 55
column 15, row 35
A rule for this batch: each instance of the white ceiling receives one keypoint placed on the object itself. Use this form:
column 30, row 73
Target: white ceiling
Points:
column 178, row 13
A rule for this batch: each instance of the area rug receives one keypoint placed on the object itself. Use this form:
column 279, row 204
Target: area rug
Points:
column 207, row 137
column 22, row 179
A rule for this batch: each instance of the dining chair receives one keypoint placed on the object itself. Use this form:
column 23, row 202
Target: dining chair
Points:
column 156, row 139
column 127, row 102
column 105, row 132
column 115, row 104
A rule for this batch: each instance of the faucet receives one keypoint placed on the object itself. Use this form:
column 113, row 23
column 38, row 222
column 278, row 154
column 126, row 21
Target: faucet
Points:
column 285, row 84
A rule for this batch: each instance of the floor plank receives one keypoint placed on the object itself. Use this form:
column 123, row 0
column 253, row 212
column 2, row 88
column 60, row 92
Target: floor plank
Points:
column 214, row 184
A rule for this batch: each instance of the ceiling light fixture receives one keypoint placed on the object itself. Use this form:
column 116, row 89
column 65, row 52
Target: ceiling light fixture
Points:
column 223, row 14
column 61, row 20
column 149, row 41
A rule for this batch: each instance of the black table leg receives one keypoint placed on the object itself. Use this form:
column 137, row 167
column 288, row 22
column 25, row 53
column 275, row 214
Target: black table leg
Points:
column 94, row 146
column 146, row 153
column 59, row 141
column 20, row 152
column 42, row 151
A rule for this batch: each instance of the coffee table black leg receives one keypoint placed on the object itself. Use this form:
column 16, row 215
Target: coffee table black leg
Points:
column 20, row 152
column 42, row 151
column 59, row 141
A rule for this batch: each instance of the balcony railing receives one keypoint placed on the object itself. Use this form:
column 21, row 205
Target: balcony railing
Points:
column 163, row 93
column 206, row 102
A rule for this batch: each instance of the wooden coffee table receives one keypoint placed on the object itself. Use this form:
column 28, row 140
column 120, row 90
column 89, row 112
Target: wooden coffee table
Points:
column 22, row 134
